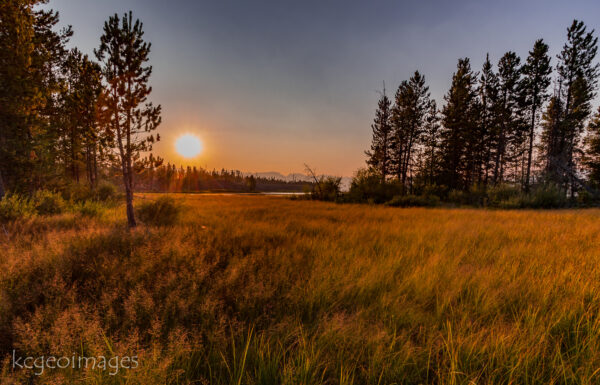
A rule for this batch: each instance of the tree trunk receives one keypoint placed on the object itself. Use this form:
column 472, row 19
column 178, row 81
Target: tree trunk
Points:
column 129, row 203
column 2, row 191
column 530, row 153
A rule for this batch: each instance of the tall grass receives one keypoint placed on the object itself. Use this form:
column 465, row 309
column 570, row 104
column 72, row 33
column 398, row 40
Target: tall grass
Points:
column 259, row 290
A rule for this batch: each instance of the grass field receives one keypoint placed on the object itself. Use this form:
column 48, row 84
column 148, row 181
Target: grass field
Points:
column 267, row 290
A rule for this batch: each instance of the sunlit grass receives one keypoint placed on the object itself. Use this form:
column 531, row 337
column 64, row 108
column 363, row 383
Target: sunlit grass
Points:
column 266, row 290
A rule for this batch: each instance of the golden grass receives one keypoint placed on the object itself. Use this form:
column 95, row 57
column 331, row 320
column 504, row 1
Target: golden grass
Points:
column 253, row 289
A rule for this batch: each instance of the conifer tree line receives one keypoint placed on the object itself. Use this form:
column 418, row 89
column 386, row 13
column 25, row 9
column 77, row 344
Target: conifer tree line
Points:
column 520, row 122
column 66, row 117
column 172, row 178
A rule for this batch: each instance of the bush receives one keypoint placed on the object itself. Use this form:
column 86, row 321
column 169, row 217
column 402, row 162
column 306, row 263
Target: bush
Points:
column 476, row 196
column 585, row 198
column 106, row 191
column 88, row 208
column 13, row 207
column 546, row 197
column 327, row 189
column 367, row 186
column 414, row 201
column 504, row 195
column 77, row 192
column 162, row 212
column 48, row 202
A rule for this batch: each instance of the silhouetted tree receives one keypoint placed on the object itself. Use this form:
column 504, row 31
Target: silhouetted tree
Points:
column 127, row 114
column 459, row 133
column 379, row 155
column 431, row 142
column 534, row 86
column 488, row 119
column 577, row 81
column 509, row 123
column 412, row 102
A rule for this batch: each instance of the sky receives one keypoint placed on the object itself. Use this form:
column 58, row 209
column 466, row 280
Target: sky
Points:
column 272, row 85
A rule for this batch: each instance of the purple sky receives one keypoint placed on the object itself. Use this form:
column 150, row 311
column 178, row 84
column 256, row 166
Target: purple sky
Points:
column 270, row 85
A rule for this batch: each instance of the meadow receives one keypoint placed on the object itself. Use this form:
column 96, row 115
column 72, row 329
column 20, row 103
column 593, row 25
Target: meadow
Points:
column 270, row 290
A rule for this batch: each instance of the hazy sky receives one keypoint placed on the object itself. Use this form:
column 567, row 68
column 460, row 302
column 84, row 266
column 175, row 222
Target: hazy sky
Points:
column 270, row 85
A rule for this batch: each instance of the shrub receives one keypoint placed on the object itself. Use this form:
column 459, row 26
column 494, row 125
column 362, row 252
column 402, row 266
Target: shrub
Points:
column 504, row 195
column 414, row 201
column 88, row 208
column 48, row 202
column 106, row 191
column 546, row 197
column 458, row 197
column 162, row 212
column 327, row 189
column 13, row 207
column 367, row 186
column 77, row 192
column 587, row 199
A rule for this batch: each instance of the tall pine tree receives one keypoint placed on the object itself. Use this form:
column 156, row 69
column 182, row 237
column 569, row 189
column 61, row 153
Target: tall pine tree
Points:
column 459, row 134
column 128, row 116
column 379, row 155
column 577, row 81
column 31, row 52
column 509, row 123
column 534, row 86
column 412, row 102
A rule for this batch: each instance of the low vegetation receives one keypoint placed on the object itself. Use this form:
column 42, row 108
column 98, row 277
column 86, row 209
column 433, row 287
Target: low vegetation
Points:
column 163, row 211
column 266, row 290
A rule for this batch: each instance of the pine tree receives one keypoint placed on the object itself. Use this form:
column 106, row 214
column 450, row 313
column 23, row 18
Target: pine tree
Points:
column 431, row 142
column 379, row 155
column 412, row 102
column 577, row 81
column 31, row 52
column 488, row 92
column 509, row 124
column 82, row 140
column 533, row 88
column 459, row 134
column 127, row 114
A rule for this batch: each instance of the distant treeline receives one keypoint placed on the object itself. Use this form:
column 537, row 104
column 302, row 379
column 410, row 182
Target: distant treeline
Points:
column 170, row 178
column 501, row 126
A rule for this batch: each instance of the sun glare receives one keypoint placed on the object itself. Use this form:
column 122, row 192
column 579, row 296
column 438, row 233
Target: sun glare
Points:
column 188, row 145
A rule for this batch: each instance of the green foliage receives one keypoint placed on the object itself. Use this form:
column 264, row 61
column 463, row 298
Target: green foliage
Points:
column 14, row 206
column 88, row 208
column 31, row 51
column 106, row 191
column 77, row 192
column 164, row 211
column 48, row 202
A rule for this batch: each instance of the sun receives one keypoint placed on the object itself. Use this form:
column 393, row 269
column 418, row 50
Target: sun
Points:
column 188, row 145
